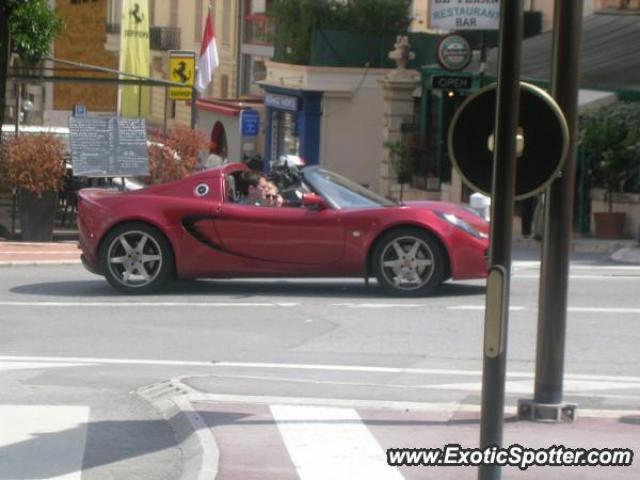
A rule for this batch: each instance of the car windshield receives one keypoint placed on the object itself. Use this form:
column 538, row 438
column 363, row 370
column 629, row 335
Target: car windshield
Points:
column 342, row 192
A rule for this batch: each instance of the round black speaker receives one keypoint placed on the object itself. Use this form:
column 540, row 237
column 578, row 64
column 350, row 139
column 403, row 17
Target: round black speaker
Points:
column 543, row 126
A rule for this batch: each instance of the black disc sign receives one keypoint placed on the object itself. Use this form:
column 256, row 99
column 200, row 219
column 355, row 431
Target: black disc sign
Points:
column 545, row 132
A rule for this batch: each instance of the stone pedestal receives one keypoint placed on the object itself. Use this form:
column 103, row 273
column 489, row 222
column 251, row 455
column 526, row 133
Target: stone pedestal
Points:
column 398, row 90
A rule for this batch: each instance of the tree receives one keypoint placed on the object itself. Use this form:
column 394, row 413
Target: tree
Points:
column 27, row 27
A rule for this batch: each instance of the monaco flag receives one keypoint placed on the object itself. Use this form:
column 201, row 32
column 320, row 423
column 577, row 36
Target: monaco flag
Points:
column 208, row 57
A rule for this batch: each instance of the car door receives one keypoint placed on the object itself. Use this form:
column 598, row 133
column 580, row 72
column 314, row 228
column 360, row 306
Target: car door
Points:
column 285, row 235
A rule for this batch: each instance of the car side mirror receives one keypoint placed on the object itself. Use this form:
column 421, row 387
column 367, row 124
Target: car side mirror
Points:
column 314, row 201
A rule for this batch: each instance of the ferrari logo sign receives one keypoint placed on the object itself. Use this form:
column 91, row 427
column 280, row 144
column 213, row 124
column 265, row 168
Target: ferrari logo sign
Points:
column 182, row 69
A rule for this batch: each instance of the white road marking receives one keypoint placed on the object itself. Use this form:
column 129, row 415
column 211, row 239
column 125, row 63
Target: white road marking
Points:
column 299, row 366
column 146, row 304
column 513, row 308
column 379, row 305
column 522, row 264
column 602, row 276
column 325, row 442
column 526, row 386
column 570, row 309
column 42, row 441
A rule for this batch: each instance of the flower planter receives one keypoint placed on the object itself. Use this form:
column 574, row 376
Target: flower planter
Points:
column 37, row 215
column 609, row 224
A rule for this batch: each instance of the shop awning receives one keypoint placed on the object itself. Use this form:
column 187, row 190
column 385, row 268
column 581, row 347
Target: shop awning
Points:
column 609, row 56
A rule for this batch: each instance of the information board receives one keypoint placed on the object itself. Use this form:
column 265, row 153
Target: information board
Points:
column 108, row 146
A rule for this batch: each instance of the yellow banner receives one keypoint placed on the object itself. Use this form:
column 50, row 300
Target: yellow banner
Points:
column 182, row 69
column 134, row 57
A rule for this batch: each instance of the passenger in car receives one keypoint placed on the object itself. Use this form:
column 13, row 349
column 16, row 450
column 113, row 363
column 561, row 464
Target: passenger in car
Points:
column 256, row 190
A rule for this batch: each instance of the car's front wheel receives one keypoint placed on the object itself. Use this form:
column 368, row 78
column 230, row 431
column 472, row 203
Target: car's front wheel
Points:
column 136, row 258
column 409, row 262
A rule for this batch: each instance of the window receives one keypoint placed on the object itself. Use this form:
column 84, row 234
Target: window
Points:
column 224, row 86
column 258, row 26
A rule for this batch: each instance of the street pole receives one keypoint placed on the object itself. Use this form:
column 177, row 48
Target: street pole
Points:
column 194, row 112
column 503, row 191
column 554, row 278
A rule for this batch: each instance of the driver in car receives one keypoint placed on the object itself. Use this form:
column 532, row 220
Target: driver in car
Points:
column 256, row 190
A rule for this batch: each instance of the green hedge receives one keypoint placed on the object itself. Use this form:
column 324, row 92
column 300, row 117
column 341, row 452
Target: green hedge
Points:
column 297, row 20
column 332, row 48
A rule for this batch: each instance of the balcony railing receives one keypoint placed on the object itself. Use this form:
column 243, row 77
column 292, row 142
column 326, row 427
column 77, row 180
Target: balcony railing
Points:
column 164, row 38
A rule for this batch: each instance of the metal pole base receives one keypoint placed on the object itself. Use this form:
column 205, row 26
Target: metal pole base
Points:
column 546, row 412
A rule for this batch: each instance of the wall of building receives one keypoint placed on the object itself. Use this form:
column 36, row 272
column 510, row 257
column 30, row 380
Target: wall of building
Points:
column 351, row 135
column 82, row 40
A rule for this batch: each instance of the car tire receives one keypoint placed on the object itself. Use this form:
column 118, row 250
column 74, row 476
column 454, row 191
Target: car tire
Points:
column 409, row 262
column 136, row 258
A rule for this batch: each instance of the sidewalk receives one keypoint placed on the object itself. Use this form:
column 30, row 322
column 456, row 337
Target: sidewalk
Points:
column 289, row 438
column 24, row 253
column 62, row 253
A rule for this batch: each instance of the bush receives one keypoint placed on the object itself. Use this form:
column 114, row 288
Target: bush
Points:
column 175, row 155
column 610, row 137
column 35, row 163
column 297, row 19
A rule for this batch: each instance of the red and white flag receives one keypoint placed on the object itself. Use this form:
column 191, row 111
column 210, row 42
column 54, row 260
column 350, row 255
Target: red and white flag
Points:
column 209, row 60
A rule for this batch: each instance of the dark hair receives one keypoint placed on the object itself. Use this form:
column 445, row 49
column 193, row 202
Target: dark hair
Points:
column 249, row 178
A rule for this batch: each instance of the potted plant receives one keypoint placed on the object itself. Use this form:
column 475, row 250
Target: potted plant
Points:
column 35, row 169
column 403, row 162
column 611, row 139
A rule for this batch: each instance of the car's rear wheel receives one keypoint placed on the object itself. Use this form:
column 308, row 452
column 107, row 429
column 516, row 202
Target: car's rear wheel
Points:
column 136, row 258
column 409, row 262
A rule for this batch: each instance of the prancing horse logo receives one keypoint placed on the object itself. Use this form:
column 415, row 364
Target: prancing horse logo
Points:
column 180, row 72
column 135, row 13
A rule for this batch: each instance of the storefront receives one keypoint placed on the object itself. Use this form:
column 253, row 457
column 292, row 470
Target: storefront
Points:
column 221, row 121
column 293, row 124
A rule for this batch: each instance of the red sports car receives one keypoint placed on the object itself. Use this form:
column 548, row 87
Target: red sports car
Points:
column 330, row 227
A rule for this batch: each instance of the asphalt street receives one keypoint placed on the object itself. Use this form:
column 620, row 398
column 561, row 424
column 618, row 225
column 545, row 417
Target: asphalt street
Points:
column 73, row 353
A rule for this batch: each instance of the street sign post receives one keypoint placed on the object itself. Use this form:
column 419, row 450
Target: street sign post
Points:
column 182, row 69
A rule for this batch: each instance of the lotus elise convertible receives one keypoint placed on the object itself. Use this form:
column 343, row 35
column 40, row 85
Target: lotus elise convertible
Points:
column 329, row 226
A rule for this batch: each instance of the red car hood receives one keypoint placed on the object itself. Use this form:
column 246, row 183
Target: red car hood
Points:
column 458, row 210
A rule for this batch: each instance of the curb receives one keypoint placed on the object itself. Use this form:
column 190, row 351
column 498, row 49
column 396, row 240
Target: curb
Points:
column 627, row 255
column 200, row 453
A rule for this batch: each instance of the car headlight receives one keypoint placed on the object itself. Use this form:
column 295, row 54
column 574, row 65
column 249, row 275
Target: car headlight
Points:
column 461, row 224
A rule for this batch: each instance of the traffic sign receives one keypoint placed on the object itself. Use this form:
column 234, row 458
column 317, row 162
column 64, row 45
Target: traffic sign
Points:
column 79, row 110
column 182, row 69
column 250, row 123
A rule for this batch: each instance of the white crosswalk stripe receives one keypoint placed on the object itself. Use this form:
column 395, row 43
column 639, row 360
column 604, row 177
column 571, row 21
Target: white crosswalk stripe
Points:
column 325, row 442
